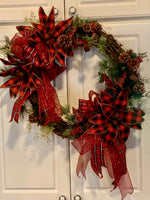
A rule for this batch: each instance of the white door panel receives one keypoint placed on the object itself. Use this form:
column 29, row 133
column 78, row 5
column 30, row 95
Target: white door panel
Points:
column 109, row 8
column 30, row 169
column 132, row 35
column 16, row 11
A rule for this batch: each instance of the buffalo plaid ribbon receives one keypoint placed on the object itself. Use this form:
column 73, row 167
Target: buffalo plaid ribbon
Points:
column 42, row 48
column 25, row 78
column 22, row 83
column 108, row 123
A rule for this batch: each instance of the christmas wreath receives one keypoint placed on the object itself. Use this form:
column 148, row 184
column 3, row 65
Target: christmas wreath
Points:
column 100, row 126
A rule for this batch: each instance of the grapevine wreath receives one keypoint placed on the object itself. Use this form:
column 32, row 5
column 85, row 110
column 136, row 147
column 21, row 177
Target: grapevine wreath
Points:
column 100, row 126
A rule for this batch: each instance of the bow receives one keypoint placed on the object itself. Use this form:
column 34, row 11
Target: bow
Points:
column 43, row 37
column 104, row 125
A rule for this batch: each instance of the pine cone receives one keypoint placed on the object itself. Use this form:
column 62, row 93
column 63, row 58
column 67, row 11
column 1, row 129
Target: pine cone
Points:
column 64, row 41
column 87, row 27
column 133, row 64
column 97, row 28
column 139, row 88
column 128, row 90
column 33, row 118
column 112, row 91
column 130, row 52
column 124, row 57
column 134, row 76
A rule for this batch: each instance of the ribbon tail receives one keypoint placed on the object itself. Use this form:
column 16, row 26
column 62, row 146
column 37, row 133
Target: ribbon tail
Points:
column 115, row 162
column 49, row 105
column 17, row 107
column 84, row 143
column 83, row 161
column 125, row 185
column 97, row 158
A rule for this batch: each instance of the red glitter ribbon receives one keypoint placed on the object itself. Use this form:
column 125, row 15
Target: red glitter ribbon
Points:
column 48, row 102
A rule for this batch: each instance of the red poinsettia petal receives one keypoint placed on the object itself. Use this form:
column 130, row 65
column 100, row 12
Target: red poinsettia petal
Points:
column 124, row 132
column 6, row 62
column 35, row 37
column 136, row 126
column 139, row 112
column 25, row 30
column 8, row 72
column 23, row 89
column 40, row 28
column 11, row 82
column 60, row 59
column 50, row 23
column 12, row 59
column 98, row 119
column 52, row 54
column 106, row 98
column 60, row 28
column 131, row 117
column 42, row 16
column 59, row 49
column 107, row 110
column 13, row 91
column 121, row 101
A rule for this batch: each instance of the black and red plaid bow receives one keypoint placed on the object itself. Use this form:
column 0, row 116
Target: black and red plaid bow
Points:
column 104, row 125
column 25, row 79
column 22, row 83
column 44, row 37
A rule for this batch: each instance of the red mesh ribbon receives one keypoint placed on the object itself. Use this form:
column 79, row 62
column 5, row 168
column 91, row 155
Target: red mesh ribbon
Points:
column 38, row 55
column 113, row 158
column 103, row 140
column 18, row 44
column 48, row 101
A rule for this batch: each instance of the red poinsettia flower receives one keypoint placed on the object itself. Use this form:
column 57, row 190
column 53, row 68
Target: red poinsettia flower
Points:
column 24, row 79
column 108, row 117
column 22, row 82
column 47, row 37
column 115, row 119
column 103, row 126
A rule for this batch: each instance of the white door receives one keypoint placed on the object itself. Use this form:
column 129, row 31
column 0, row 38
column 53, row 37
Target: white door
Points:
column 100, row 9
column 81, row 79
column 16, row 11
column 29, row 169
